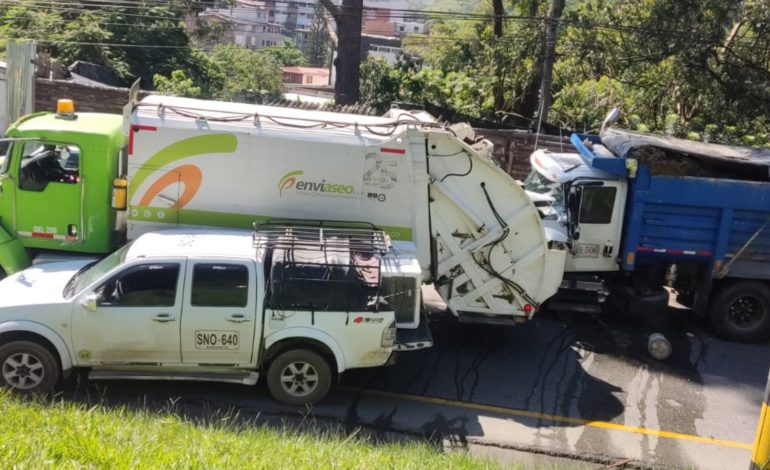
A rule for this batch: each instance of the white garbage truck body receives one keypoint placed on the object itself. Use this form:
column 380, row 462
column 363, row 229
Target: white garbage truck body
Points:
column 434, row 189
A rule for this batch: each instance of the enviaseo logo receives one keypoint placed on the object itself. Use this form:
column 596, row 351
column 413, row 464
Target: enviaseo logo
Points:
column 291, row 180
column 288, row 181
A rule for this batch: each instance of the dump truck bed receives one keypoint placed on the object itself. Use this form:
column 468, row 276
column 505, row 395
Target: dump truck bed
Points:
column 722, row 222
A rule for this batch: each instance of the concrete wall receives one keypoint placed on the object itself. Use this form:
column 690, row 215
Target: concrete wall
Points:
column 87, row 99
column 3, row 120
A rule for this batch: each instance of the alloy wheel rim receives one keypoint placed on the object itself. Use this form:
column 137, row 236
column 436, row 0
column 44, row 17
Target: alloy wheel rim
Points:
column 299, row 379
column 23, row 371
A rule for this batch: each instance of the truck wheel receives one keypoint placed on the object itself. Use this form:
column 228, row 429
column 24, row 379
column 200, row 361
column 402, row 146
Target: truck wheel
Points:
column 741, row 312
column 28, row 367
column 299, row 377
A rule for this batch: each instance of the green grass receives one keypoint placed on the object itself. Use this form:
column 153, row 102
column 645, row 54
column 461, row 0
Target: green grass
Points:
column 59, row 434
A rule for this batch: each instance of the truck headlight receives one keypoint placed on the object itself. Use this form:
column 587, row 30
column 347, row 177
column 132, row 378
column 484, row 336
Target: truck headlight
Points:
column 389, row 336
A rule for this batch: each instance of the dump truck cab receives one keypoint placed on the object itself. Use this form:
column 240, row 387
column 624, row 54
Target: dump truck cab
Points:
column 56, row 185
column 584, row 204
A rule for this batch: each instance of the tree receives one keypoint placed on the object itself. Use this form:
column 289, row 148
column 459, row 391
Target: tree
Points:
column 178, row 85
column 379, row 83
column 693, row 69
column 286, row 53
column 318, row 39
column 245, row 75
column 503, row 69
column 131, row 44
column 348, row 62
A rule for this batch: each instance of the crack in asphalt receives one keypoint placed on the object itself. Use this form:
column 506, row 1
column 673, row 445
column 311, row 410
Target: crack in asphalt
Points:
column 458, row 385
column 546, row 353
column 478, row 361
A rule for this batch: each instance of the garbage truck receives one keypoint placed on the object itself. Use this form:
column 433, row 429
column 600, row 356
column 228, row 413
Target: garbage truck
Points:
column 85, row 183
column 644, row 214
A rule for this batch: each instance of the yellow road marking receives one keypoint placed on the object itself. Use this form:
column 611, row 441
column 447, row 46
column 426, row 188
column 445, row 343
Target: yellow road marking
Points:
column 550, row 417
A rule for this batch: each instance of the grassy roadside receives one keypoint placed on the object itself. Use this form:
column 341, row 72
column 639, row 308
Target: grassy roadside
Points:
column 57, row 434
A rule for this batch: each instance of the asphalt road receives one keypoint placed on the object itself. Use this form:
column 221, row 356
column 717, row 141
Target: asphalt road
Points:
column 582, row 388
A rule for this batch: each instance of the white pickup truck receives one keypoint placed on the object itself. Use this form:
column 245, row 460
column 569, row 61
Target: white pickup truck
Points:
column 214, row 305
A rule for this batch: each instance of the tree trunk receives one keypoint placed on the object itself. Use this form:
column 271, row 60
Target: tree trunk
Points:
column 552, row 25
column 497, row 6
column 348, row 61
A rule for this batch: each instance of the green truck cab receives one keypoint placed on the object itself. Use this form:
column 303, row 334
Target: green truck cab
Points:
column 56, row 183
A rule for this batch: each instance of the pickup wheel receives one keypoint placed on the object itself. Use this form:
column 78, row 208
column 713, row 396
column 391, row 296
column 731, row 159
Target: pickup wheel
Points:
column 28, row 367
column 299, row 377
column 741, row 312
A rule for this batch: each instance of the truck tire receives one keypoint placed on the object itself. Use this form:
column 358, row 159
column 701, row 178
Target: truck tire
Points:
column 28, row 367
column 299, row 377
column 741, row 312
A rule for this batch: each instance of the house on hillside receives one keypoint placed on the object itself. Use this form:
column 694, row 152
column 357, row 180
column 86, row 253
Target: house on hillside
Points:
column 402, row 28
column 242, row 26
column 306, row 75
column 385, row 47
column 291, row 15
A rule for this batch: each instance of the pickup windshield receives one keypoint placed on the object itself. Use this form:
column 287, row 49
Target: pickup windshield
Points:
column 91, row 272
column 537, row 183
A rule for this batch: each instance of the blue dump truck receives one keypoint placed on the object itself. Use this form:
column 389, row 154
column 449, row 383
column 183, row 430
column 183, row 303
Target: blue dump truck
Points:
column 641, row 213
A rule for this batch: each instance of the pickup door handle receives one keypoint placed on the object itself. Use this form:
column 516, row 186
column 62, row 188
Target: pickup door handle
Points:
column 163, row 318
column 237, row 318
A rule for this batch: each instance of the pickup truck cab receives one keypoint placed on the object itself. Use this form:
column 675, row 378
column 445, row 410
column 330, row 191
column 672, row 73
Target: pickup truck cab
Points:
column 207, row 305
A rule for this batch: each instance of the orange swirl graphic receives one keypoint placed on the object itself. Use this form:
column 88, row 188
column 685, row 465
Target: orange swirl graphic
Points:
column 189, row 175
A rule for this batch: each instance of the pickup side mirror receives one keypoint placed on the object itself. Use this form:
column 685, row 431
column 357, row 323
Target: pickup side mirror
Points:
column 574, row 198
column 90, row 302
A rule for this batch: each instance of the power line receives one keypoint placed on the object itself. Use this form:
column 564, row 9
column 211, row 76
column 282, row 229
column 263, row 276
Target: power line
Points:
column 564, row 21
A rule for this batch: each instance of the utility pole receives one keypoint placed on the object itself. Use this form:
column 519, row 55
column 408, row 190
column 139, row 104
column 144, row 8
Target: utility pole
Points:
column 497, row 6
column 555, row 9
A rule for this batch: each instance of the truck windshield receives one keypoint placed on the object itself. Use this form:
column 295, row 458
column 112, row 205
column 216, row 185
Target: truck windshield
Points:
column 91, row 272
column 537, row 183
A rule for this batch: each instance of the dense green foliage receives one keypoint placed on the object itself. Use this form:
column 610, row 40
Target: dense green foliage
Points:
column 695, row 68
column 66, row 435
column 148, row 40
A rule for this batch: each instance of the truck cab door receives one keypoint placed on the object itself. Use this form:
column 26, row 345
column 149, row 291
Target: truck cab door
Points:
column 48, row 193
column 136, row 319
column 596, row 216
column 220, row 313
column 7, row 190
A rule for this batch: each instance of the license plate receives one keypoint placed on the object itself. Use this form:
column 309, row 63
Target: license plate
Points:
column 587, row 251
column 217, row 340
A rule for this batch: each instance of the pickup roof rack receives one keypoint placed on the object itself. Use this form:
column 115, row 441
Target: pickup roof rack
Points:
column 321, row 235
column 322, row 265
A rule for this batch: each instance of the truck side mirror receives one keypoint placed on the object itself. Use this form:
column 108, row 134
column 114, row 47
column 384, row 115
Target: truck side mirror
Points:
column 90, row 302
column 574, row 197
